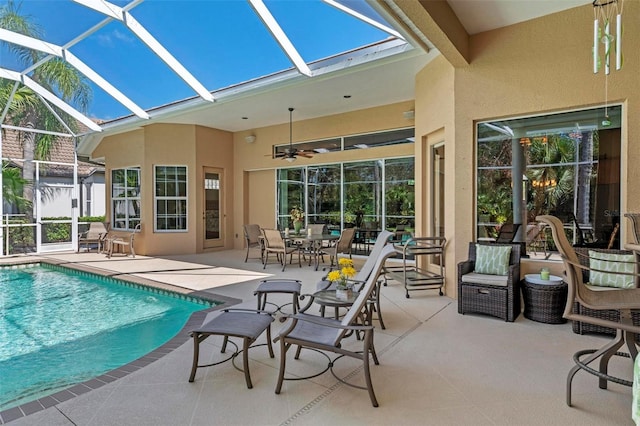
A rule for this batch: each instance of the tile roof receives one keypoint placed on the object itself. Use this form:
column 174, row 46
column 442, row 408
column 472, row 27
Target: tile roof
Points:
column 61, row 153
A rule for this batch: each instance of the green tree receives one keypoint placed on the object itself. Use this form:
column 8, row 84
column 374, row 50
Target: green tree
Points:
column 26, row 110
column 12, row 184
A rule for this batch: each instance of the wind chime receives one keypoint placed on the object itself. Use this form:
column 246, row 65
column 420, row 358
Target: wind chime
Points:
column 607, row 14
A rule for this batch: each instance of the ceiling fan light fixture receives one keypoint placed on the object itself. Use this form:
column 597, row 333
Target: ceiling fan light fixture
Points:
column 290, row 159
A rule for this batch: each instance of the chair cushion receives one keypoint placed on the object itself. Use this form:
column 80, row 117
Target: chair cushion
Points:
column 614, row 263
column 492, row 260
column 476, row 278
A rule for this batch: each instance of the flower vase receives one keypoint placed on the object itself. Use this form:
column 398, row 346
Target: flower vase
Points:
column 297, row 226
column 343, row 292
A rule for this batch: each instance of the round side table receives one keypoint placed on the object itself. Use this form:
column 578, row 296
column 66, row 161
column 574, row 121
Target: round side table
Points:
column 544, row 300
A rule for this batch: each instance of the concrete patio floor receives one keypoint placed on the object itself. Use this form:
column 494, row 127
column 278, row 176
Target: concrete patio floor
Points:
column 436, row 367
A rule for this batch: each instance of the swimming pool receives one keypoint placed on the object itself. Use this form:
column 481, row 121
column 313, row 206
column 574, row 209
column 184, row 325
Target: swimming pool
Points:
column 59, row 327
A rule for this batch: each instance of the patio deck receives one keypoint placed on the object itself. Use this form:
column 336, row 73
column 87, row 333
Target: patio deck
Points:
column 436, row 367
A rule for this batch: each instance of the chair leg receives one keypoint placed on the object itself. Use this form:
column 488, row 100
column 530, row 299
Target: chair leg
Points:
column 283, row 361
column 368, row 344
column 245, row 362
column 246, row 255
column 196, row 351
column 604, row 360
column 271, row 355
column 615, row 343
column 377, row 305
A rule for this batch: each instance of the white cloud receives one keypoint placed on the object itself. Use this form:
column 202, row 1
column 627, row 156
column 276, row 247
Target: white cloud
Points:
column 110, row 39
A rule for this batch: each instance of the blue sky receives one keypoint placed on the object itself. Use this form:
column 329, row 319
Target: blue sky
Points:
column 221, row 42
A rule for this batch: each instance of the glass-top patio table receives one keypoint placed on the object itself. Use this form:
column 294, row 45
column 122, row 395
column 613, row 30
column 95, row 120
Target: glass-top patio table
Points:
column 314, row 243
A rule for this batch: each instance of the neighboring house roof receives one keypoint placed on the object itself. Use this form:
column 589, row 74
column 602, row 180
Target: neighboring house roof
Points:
column 62, row 152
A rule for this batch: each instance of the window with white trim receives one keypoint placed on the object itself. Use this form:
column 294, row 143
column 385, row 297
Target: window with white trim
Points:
column 170, row 198
column 125, row 198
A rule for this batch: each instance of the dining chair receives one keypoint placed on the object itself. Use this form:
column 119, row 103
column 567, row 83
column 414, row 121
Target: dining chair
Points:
column 343, row 245
column 274, row 243
column 252, row 236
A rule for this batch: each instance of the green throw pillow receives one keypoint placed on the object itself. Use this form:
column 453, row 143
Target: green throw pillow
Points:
column 492, row 260
column 614, row 263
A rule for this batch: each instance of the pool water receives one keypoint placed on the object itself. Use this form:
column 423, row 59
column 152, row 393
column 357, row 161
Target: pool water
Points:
column 58, row 328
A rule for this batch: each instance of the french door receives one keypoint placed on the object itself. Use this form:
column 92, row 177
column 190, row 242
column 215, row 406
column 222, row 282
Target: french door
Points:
column 213, row 215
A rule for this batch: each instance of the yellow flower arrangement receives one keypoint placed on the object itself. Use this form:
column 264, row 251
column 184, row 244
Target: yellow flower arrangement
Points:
column 297, row 215
column 342, row 275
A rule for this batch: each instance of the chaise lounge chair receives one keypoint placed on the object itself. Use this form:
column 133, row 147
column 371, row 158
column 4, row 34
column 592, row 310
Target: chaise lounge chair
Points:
column 327, row 334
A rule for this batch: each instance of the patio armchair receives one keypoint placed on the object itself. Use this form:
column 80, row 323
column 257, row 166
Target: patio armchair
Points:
column 580, row 327
column 343, row 245
column 123, row 243
column 328, row 335
column 635, row 225
column 274, row 243
column 252, row 239
column 625, row 299
column 96, row 234
column 489, row 281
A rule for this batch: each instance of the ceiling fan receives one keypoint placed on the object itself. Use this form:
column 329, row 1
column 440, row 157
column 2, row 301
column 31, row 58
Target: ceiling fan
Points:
column 290, row 154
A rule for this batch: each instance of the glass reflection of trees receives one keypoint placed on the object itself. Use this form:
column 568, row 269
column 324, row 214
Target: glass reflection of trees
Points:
column 291, row 184
column 362, row 184
column 562, row 154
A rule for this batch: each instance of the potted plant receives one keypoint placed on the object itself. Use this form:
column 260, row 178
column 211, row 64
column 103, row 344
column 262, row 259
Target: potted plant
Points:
column 341, row 278
column 297, row 216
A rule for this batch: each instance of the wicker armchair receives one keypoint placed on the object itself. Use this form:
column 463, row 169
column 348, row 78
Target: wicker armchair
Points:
column 490, row 294
column 580, row 327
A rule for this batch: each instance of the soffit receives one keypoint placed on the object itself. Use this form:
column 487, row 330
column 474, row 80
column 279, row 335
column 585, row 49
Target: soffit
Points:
column 483, row 15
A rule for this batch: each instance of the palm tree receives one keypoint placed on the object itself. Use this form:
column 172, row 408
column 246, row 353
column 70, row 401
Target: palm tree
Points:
column 12, row 184
column 27, row 110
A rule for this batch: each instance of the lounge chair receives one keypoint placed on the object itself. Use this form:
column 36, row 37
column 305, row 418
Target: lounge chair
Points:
column 327, row 334
column 363, row 274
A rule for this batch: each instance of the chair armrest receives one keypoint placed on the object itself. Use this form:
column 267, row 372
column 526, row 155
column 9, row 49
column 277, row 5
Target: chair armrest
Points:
column 466, row 267
column 256, row 311
column 327, row 322
column 309, row 303
column 514, row 274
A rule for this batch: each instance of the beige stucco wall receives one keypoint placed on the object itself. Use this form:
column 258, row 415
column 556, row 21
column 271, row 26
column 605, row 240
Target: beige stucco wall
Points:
column 434, row 125
column 255, row 190
column 171, row 145
column 214, row 149
column 248, row 171
column 535, row 67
